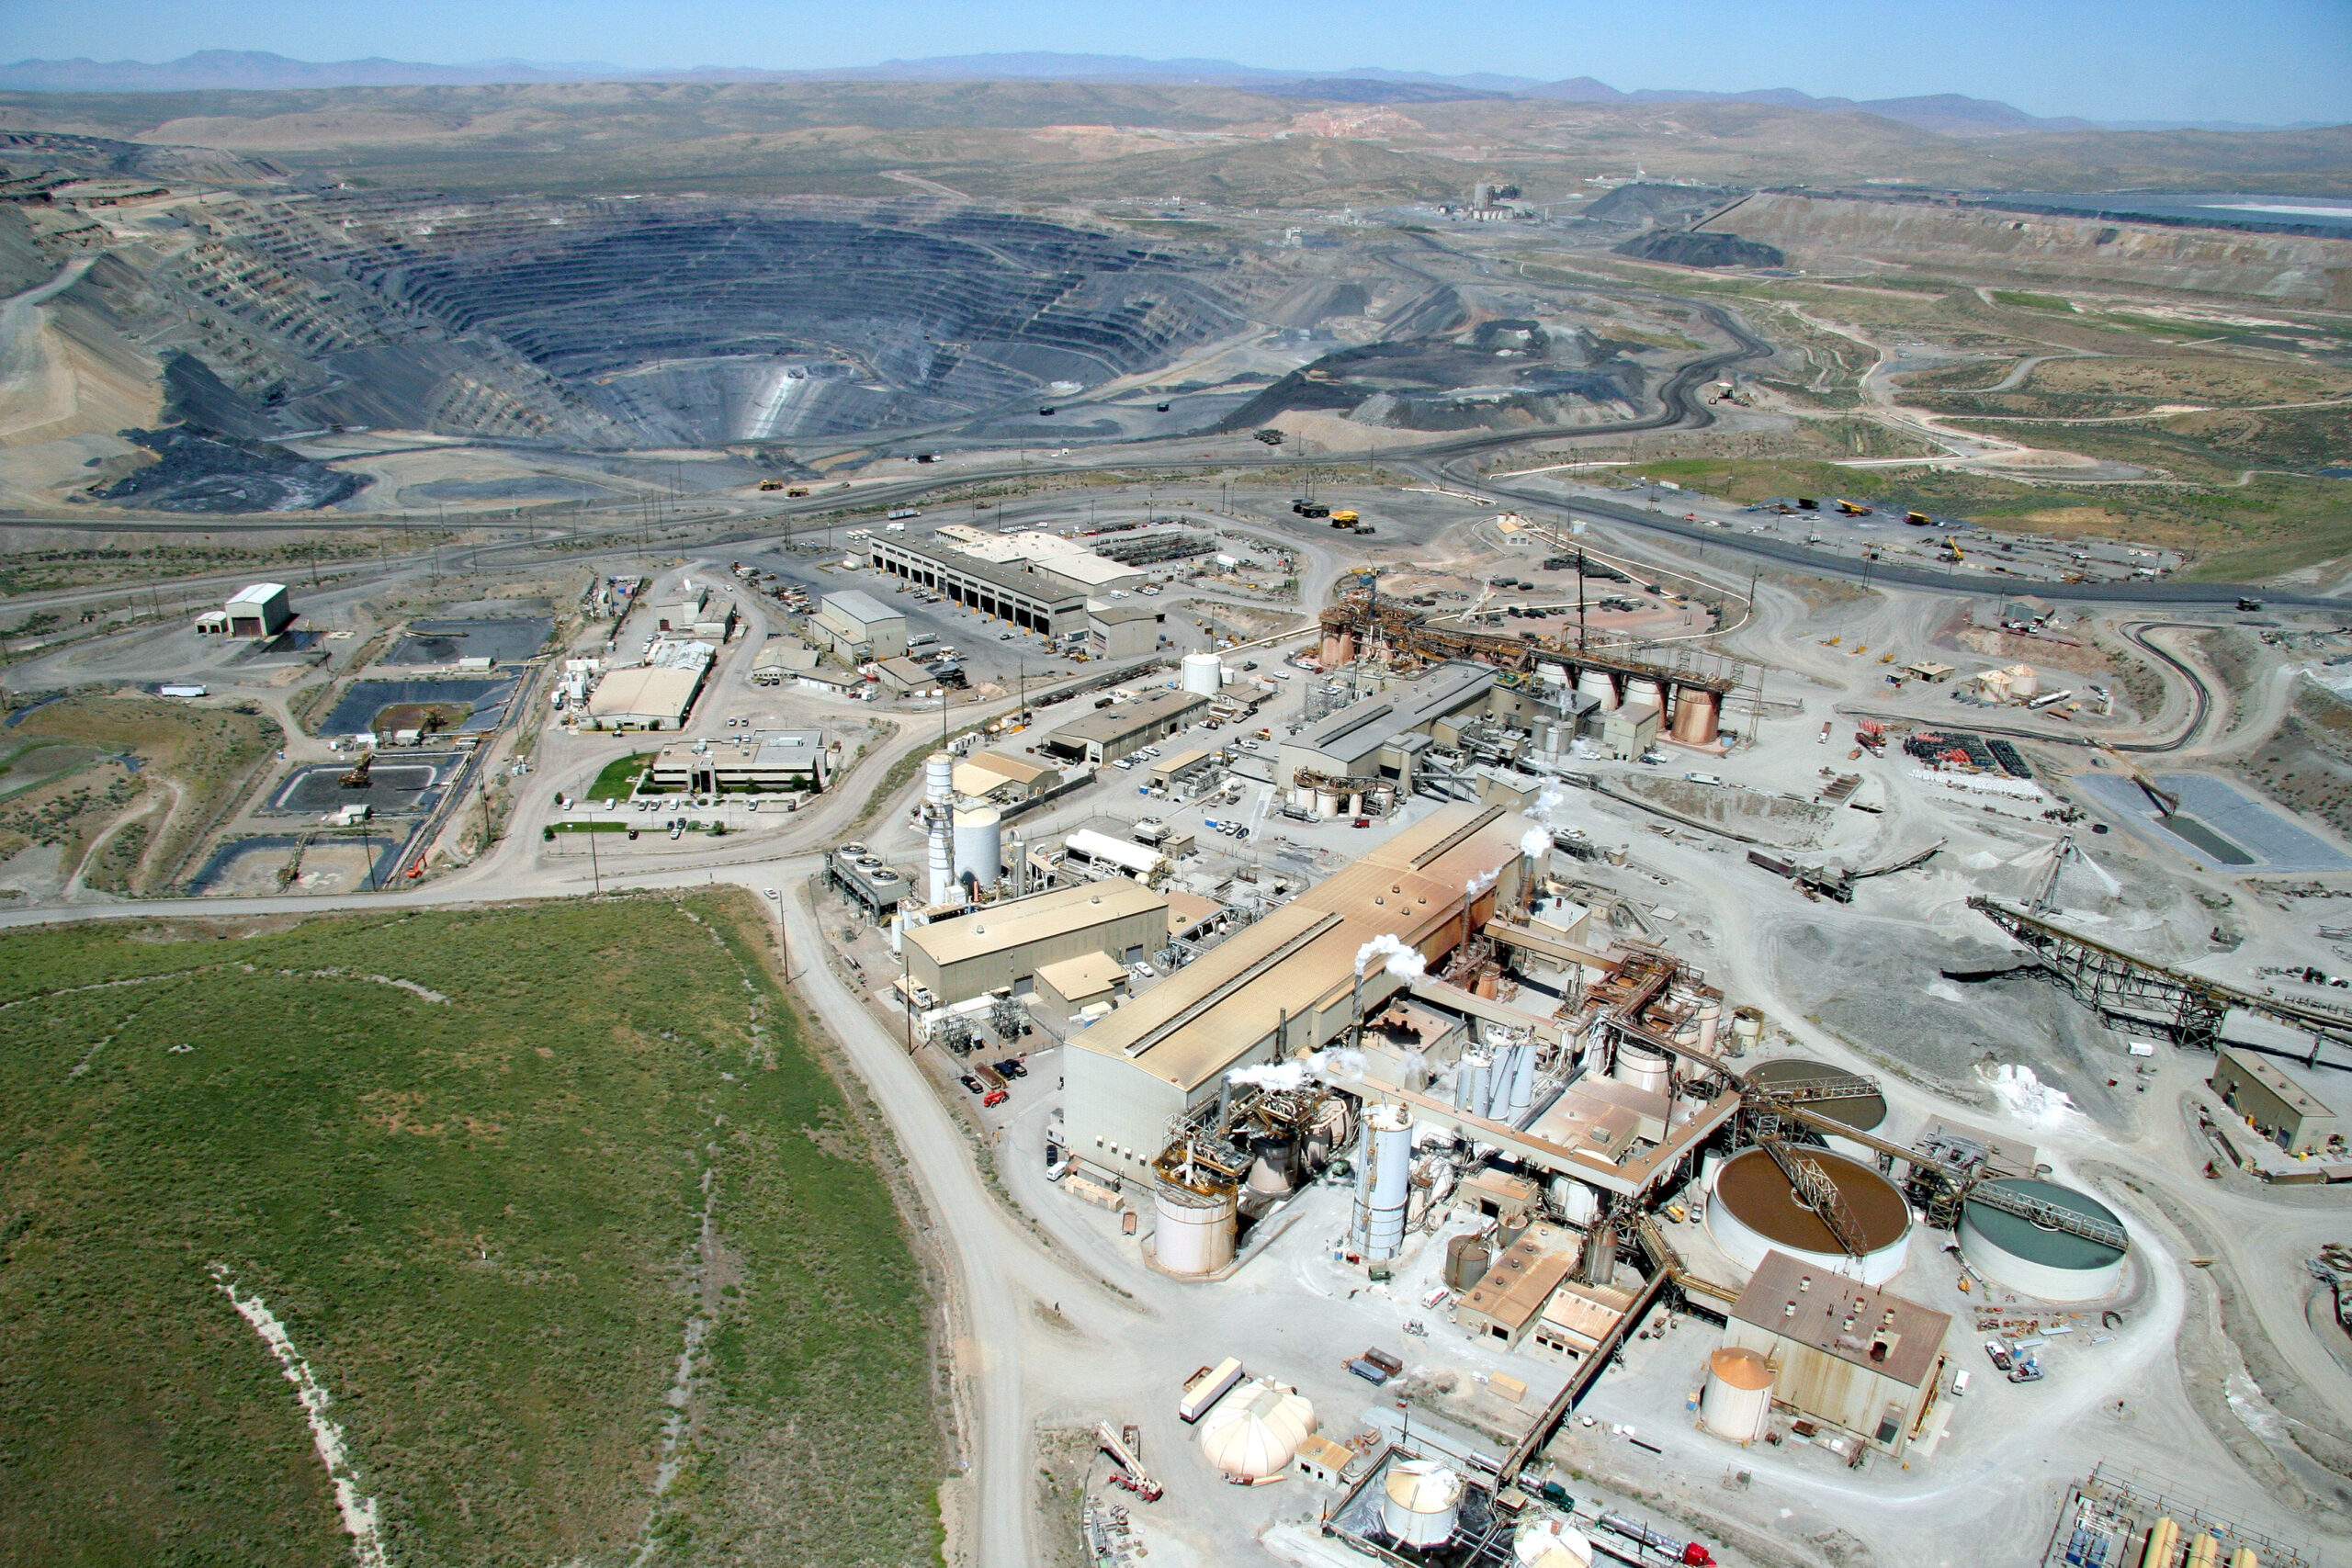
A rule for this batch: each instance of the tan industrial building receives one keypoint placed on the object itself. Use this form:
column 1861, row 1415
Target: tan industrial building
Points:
column 767, row 762
column 694, row 613
column 904, row 677
column 1629, row 732
column 1578, row 1320
column 859, row 628
column 1380, row 736
column 647, row 696
column 1000, row 776
column 1506, row 1304
column 1077, row 982
column 1842, row 1353
column 1122, row 631
column 2279, row 1109
column 1283, row 986
column 1030, row 599
column 1108, row 734
column 1008, row 943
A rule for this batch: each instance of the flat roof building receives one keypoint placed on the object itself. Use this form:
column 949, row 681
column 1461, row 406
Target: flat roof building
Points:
column 1001, row 776
column 903, row 677
column 1841, row 1352
column 1122, row 631
column 1380, row 736
column 1012, row 593
column 1629, row 732
column 1283, row 986
column 1505, row 1305
column 1110, row 733
column 647, row 696
column 2277, row 1106
column 858, row 626
column 1080, row 982
column 767, row 762
column 1007, row 944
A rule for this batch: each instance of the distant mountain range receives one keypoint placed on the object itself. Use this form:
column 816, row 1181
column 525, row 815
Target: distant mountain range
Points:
column 1950, row 113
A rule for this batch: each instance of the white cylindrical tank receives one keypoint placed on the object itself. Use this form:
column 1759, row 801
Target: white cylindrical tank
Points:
column 1255, row 1431
column 940, row 867
column 1641, row 692
column 2036, row 1259
column 980, row 845
column 2025, row 682
column 1522, row 1084
column 1203, row 673
column 938, row 779
column 1711, row 1018
column 1644, row 1066
column 1195, row 1230
column 1550, row 1543
column 1470, row 1083
column 1391, row 1130
column 1746, row 1030
column 1738, row 1401
column 1596, row 683
column 1421, row 1504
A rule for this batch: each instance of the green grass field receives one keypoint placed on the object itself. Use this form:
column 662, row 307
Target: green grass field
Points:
column 486, row 1203
column 619, row 777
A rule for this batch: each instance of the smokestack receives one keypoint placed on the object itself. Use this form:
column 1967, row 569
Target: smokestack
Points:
column 941, row 884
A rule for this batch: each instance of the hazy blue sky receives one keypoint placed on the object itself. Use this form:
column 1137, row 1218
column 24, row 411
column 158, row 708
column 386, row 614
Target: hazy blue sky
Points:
column 2255, row 60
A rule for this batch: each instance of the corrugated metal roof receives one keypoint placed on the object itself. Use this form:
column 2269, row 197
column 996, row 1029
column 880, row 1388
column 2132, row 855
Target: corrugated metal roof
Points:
column 1842, row 1317
column 996, row 927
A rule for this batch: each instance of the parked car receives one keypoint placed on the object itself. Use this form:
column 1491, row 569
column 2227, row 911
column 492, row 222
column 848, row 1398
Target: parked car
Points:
column 975, row 1085
column 1363, row 821
column 1013, row 1068
column 1999, row 1353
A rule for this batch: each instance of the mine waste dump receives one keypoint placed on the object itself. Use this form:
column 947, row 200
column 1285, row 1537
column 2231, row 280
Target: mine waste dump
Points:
column 1435, row 373
column 628, row 323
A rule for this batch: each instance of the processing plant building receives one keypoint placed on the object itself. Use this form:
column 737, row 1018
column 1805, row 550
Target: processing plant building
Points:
column 1012, row 943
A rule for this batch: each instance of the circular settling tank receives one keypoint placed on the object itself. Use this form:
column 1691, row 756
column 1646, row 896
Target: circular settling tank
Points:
column 1756, row 1211
column 2036, row 1259
column 1550, row 1543
column 1864, row 1111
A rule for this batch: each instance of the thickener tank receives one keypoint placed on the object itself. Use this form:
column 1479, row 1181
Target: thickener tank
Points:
column 1390, row 1127
column 2033, row 1257
column 1421, row 1502
column 1758, row 1210
column 980, row 845
column 1203, row 673
column 1195, row 1228
column 1856, row 1102
column 1738, row 1402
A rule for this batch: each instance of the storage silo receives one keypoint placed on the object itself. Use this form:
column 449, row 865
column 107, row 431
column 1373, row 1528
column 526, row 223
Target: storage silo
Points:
column 1643, row 1065
column 1422, row 1501
column 1390, row 1128
column 1468, row 1258
column 1757, row 1210
column 1470, row 1075
column 938, row 780
column 1641, row 692
column 1863, row 1108
column 2033, row 1257
column 1597, row 684
column 2025, row 682
column 1254, row 1432
column 1203, row 673
column 1195, row 1228
column 1738, row 1401
column 940, row 869
column 980, row 845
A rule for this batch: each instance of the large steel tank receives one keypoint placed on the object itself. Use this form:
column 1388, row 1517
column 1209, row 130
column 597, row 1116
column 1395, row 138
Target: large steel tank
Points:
column 1757, row 1211
column 1195, row 1232
column 2035, row 1257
